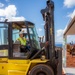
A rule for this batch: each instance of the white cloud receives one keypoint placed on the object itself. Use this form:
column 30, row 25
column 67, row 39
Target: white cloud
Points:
column 1, row 5
column 59, row 32
column 2, row 19
column 2, row 12
column 69, row 3
column 71, row 15
column 39, row 29
column 11, row 10
column 10, row 13
column 59, row 35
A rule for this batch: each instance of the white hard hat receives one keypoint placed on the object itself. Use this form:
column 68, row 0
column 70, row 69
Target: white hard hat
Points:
column 21, row 32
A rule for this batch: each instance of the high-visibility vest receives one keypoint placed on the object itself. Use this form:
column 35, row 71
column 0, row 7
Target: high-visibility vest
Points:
column 22, row 41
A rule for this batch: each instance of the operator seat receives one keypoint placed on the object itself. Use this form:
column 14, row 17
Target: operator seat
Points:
column 16, row 46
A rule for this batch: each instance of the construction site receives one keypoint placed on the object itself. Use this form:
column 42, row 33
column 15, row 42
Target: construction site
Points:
column 69, row 49
column 23, row 52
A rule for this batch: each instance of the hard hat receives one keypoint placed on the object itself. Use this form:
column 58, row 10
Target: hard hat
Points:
column 20, row 32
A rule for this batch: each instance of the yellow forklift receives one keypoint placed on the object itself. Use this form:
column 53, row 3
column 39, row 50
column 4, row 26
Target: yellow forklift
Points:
column 34, row 61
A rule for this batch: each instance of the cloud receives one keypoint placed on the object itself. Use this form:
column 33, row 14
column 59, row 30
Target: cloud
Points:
column 71, row 15
column 59, row 35
column 1, row 4
column 69, row 3
column 59, row 32
column 2, row 12
column 10, row 13
column 39, row 29
column 2, row 19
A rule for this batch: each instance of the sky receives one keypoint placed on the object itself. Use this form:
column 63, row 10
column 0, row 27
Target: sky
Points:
column 30, row 10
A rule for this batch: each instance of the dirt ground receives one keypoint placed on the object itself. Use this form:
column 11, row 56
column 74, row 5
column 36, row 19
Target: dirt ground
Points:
column 70, row 60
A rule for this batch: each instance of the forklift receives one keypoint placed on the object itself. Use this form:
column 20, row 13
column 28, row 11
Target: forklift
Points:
column 36, row 60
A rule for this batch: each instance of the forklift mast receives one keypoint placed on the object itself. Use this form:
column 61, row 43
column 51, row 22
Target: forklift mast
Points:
column 48, row 17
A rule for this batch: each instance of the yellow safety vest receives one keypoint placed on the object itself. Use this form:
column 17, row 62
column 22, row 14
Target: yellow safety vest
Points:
column 22, row 41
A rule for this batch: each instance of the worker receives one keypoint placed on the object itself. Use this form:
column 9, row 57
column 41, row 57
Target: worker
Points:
column 23, row 41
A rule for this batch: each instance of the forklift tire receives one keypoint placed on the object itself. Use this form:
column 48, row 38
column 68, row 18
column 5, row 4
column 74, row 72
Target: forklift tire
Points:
column 41, row 69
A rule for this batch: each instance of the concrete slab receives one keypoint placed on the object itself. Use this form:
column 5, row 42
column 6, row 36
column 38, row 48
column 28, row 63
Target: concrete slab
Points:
column 69, row 71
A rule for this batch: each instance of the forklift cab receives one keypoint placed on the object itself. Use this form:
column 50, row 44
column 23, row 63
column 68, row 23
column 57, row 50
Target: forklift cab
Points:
column 9, row 32
column 12, row 60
